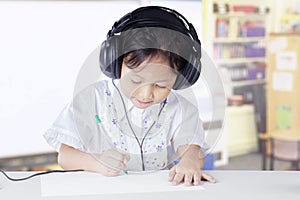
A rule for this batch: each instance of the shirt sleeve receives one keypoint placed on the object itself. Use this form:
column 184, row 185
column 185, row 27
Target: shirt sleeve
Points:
column 188, row 128
column 75, row 123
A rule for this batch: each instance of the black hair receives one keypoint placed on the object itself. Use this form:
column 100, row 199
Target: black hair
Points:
column 141, row 39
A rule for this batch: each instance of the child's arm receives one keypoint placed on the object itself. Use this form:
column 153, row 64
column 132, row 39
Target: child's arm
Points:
column 110, row 163
column 189, row 168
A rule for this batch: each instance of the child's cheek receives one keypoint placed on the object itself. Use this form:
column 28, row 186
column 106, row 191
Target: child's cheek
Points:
column 128, row 88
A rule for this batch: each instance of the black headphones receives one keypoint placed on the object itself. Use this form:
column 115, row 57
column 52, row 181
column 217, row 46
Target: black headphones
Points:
column 152, row 16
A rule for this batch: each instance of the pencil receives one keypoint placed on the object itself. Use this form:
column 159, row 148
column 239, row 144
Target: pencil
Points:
column 98, row 119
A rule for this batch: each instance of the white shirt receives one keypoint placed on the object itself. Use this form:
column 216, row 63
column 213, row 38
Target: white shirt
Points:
column 162, row 127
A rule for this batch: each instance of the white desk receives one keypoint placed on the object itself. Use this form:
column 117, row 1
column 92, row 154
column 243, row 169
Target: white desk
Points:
column 254, row 185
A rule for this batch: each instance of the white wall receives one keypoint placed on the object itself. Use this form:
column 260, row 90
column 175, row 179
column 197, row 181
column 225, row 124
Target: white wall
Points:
column 43, row 46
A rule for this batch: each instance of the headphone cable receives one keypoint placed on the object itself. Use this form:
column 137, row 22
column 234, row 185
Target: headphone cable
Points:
column 38, row 174
column 129, row 123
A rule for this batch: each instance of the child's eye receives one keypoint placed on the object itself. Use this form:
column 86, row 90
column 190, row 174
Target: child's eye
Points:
column 135, row 81
column 160, row 86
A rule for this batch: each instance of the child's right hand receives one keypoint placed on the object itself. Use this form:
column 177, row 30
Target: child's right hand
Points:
column 112, row 162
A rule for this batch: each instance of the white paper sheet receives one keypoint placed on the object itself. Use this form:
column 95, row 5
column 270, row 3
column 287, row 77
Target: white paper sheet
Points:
column 283, row 81
column 87, row 183
column 277, row 44
column 286, row 60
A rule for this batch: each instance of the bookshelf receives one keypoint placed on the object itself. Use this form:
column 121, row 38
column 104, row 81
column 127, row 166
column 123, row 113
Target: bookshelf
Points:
column 235, row 37
column 239, row 46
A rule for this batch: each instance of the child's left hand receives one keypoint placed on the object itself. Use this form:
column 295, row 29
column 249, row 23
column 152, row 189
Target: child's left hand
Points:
column 189, row 168
column 188, row 171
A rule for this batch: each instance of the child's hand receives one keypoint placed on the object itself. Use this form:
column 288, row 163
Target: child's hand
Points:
column 188, row 171
column 112, row 162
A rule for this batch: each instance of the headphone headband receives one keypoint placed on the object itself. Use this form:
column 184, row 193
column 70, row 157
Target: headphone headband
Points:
column 158, row 18
column 132, row 20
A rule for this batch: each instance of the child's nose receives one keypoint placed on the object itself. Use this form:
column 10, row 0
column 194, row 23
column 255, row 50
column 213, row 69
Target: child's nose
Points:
column 146, row 92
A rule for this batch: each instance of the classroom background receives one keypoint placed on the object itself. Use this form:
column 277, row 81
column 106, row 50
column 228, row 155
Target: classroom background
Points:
column 254, row 45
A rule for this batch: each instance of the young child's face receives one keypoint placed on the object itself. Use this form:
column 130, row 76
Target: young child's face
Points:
column 148, row 84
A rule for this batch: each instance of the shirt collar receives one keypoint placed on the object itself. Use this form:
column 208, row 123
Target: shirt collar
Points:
column 121, row 102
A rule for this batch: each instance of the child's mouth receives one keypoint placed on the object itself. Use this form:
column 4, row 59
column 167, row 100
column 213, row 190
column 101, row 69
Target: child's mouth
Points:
column 143, row 103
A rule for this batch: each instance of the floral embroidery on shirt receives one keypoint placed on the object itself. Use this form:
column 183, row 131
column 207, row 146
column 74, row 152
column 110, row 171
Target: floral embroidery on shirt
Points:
column 107, row 92
column 114, row 121
column 159, row 148
column 157, row 125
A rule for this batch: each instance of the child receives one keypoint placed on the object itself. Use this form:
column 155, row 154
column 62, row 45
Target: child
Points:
column 134, row 121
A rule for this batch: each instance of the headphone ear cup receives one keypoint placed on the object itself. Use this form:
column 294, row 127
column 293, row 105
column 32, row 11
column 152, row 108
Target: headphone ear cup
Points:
column 195, row 71
column 190, row 73
column 109, row 58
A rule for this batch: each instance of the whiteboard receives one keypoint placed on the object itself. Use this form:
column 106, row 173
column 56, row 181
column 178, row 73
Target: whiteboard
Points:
column 42, row 48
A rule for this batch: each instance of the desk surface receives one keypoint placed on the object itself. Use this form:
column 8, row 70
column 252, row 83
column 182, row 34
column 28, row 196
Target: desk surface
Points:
column 231, row 185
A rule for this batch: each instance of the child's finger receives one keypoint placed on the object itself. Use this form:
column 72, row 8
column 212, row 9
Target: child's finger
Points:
column 117, row 155
column 188, row 178
column 111, row 172
column 172, row 174
column 111, row 163
column 197, row 179
column 208, row 178
column 178, row 178
column 127, row 157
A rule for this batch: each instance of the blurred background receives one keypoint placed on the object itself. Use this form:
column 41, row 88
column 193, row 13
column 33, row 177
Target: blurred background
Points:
column 255, row 46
